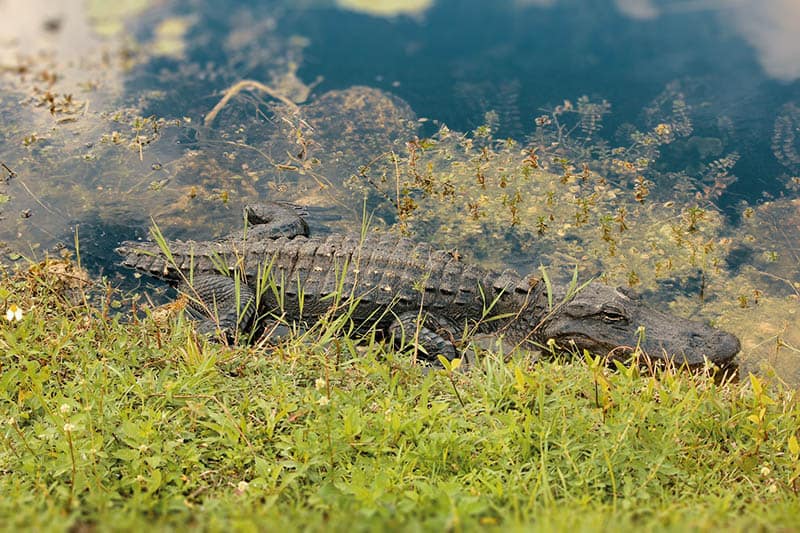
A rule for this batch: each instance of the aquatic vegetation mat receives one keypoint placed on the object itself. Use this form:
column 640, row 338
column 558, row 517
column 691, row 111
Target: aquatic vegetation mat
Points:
column 566, row 196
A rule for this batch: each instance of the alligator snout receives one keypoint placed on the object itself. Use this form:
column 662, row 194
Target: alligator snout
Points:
column 718, row 346
column 686, row 342
column 606, row 320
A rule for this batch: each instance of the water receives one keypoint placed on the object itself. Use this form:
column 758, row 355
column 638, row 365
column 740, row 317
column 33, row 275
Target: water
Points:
column 103, row 107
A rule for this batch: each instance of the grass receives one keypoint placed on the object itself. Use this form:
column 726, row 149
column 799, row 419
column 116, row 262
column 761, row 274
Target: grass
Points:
column 110, row 423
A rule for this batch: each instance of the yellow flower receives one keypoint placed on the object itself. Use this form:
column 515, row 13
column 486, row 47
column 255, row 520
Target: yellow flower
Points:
column 14, row 313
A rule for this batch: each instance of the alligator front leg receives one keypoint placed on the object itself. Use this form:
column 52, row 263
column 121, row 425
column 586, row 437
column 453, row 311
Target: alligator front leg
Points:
column 220, row 305
column 276, row 219
column 433, row 335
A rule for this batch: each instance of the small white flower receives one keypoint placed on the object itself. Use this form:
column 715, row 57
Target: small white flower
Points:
column 319, row 383
column 14, row 313
column 142, row 448
column 242, row 486
column 65, row 408
column 323, row 401
column 69, row 428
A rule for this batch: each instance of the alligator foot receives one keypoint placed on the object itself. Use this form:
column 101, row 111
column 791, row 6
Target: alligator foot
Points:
column 220, row 305
column 276, row 219
column 433, row 335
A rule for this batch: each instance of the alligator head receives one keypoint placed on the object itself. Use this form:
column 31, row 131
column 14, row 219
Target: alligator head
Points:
column 612, row 321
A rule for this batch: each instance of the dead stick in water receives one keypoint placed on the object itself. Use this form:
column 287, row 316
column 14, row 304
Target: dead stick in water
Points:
column 240, row 86
column 11, row 173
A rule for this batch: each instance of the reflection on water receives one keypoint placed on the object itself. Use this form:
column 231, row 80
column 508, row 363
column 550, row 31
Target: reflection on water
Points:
column 46, row 26
column 770, row 27
column 387, row 8
column 676, row 175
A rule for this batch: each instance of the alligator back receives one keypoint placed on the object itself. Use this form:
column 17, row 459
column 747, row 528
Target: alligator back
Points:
column 381, row 271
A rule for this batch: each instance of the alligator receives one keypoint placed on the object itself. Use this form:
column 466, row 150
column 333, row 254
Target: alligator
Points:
column 409, row 291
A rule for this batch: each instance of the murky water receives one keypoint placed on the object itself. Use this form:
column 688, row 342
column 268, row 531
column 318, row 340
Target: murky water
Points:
column 654, row 144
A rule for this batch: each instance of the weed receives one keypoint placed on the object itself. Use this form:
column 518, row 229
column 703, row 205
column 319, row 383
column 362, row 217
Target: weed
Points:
column 105, row 427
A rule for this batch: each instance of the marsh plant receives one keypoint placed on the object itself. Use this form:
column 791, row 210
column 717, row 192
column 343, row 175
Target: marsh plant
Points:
column 145, row 424
column 564, row 193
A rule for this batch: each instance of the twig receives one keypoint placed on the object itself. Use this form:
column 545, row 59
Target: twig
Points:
column 240, row 86
column 36, row 198
column 11, row 173
column 785, row 280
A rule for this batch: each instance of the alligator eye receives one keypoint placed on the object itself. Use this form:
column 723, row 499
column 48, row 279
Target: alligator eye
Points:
column 610, row 315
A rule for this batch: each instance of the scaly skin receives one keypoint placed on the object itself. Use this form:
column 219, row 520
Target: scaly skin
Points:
column 394, row 280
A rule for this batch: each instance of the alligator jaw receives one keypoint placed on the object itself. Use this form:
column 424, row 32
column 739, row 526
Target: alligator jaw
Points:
column 607, row 321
